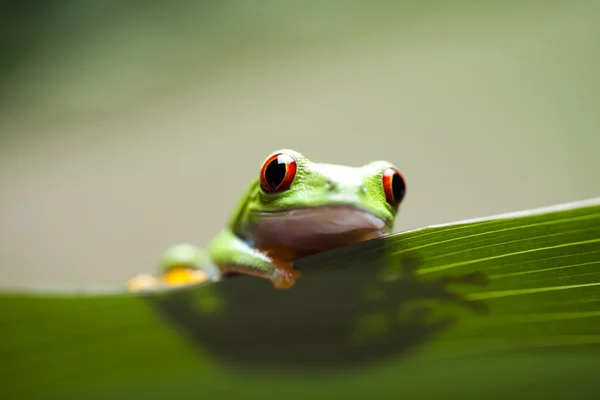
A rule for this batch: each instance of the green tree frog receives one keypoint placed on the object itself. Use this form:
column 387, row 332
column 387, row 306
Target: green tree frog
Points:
column 294, row 208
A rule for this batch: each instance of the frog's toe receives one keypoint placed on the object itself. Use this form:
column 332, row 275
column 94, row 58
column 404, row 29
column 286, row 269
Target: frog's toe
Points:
column 285, row 277
column 142, row 283
column 178, row 276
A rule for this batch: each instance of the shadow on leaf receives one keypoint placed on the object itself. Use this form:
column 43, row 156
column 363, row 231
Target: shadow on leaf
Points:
column 332, row 317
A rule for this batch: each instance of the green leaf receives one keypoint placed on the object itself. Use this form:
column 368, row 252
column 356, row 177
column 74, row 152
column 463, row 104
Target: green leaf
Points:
column 506, row 306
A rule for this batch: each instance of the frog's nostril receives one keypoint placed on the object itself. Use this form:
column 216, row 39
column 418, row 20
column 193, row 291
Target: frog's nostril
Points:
column 362, row 189
column 329, row 185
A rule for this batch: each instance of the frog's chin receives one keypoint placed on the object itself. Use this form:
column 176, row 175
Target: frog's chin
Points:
column 315, row 228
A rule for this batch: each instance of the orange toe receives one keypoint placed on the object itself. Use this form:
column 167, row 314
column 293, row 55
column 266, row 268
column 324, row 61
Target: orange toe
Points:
column 286, row 277
column 184, row 276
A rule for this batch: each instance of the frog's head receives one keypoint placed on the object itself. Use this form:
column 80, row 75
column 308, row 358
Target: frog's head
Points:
column 295, row 194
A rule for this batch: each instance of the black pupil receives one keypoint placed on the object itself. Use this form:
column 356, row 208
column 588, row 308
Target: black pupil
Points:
column 275, row 173
column 398, row 188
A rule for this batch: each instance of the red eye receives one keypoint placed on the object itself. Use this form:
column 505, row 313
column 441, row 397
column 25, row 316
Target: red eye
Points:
column 393, row 186
column 277, row 173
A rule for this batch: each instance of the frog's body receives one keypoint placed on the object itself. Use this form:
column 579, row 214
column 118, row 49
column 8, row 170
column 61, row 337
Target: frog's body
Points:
column 293, row 209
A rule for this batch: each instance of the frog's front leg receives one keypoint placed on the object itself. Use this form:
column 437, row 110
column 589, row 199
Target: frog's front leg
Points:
column 232, row 254
column 182, row 264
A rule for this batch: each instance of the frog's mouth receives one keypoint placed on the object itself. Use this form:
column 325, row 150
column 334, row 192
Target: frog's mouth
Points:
column 320, row 227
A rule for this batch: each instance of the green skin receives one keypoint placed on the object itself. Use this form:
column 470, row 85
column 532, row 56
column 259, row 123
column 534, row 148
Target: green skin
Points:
column 326, row 206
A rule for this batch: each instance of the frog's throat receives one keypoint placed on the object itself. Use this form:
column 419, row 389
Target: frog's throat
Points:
column 349, row 215
column 315, row 227
column 312, row 229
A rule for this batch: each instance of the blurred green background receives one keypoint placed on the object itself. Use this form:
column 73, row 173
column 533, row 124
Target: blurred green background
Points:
column 128, row 126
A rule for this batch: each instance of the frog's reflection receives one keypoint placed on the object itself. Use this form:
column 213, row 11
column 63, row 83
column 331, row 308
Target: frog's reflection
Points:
column 330, row 318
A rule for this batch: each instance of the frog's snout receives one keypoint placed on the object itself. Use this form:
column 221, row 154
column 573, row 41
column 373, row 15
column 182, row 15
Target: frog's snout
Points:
column 332, row 186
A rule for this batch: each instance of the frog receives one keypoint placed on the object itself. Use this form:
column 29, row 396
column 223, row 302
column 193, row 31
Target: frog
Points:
column 294, row 208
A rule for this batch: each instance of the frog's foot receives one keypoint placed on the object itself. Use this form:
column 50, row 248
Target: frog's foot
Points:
column 181, row 265
column 175, row 277
column 186, row 264
column 284, row 275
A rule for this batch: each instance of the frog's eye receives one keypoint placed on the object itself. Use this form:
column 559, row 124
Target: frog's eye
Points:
column 277, row 173
column 393, row 186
